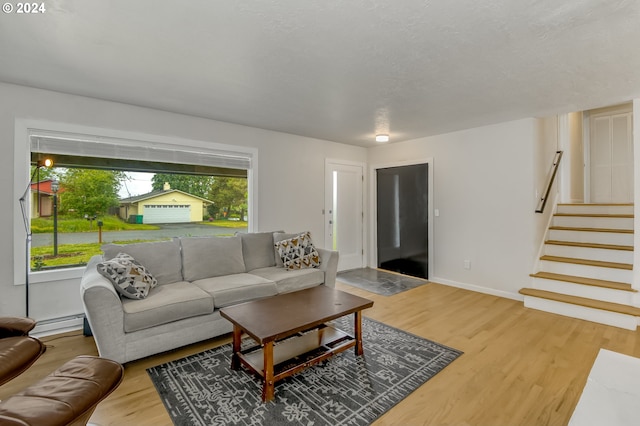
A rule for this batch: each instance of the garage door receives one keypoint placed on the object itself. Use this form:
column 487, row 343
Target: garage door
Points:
column 174, row 213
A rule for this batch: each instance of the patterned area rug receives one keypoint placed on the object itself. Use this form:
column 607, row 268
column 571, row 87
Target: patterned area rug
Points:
column 344, row 390
column 379, row 282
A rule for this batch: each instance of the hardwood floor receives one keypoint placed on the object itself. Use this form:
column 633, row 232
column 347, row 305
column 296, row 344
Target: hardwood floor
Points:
column 520, row 366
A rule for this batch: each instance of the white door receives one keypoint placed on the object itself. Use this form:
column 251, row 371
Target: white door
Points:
column 611, row 157
column 344, row 213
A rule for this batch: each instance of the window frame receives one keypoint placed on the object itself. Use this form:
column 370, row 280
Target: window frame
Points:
column 26, row 128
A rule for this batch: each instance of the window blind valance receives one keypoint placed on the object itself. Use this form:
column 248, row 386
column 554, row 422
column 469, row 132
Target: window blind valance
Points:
column 143, row 151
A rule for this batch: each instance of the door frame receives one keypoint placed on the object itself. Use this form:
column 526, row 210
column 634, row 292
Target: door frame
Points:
column 328, row 202
column 373, row 213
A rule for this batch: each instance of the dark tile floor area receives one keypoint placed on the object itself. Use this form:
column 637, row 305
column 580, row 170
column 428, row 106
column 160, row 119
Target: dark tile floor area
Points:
column 379, row 281
column 414, row 266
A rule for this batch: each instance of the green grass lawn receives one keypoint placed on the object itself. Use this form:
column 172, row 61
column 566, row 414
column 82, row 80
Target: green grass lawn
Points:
column 79, row 254
column 227, row 223
column 68, row 224
column 69, row 254
column 110, row 223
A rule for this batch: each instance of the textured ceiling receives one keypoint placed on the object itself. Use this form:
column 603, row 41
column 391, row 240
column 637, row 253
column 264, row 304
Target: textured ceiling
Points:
column 332, row 69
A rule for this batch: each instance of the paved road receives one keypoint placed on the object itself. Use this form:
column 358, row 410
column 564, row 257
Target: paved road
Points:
column 165, row 231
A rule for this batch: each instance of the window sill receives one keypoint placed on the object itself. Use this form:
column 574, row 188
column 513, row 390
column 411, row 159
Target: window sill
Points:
column 56, row 275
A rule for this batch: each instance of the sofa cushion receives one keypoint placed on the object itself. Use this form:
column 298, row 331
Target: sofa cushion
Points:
column 165, row 304
column 204, row 257
column 128, row 276
column 291, row 280
column 236, row 288
column 298, row 252
column 257, row 250
column 161, row 258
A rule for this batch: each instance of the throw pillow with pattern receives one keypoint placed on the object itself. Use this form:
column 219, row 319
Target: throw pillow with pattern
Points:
column 298, row 252
column 128, row 276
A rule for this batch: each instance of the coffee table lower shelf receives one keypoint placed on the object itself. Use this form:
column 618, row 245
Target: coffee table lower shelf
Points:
column 298, row 352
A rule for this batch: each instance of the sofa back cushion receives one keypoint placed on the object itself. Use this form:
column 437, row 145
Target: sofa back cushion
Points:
column 257, row 250
column 204, row 257
column 162, row 259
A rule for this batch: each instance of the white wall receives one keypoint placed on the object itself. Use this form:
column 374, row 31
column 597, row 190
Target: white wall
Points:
column 636, row 196
column 485, row 181
column 290, row 176
column 546, row 147
column 576, row 157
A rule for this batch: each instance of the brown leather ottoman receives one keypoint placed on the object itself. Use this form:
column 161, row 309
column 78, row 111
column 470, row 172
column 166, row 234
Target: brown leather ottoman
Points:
column 68, row 396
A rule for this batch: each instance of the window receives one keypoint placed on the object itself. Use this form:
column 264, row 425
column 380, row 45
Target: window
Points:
column 181, row 176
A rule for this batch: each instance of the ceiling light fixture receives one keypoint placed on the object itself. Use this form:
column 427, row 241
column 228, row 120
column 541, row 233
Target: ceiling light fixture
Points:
column 382, row 138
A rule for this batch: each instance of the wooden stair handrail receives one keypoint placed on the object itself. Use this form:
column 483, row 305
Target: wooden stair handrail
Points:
column 552, row 176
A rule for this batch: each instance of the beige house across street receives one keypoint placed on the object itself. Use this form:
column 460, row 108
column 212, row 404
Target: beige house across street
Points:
column 164, row 206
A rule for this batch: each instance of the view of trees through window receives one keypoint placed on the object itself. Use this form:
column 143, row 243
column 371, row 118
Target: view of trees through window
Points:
column 76, row 210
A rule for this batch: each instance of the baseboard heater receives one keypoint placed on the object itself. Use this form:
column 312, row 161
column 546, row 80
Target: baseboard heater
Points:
column 59, row 325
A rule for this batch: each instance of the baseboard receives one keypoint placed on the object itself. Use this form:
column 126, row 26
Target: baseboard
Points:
column 58, row 325
column 478, row 289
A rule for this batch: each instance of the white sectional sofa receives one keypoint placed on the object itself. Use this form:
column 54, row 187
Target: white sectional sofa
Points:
column 196, row 277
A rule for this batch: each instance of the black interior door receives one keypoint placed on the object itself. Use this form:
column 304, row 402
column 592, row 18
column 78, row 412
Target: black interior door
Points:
column 402, row 224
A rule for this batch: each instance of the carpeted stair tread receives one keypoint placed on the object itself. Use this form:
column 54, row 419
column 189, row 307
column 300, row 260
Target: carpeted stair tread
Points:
column 588, row 262
column 589, row 245
column 572, row 228
column 581, row 301
column 615, row 285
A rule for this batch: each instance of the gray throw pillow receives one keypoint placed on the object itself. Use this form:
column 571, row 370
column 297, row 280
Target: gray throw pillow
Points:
column 128, row 276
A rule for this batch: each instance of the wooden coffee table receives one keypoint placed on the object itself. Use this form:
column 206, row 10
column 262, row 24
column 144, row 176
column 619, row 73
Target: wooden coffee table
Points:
column 300, row 318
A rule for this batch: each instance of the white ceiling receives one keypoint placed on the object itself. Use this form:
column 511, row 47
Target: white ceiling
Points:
column 339, row 70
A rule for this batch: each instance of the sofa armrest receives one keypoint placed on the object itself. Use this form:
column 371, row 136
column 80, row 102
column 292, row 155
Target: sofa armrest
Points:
column 329, row 265
column 104, row 312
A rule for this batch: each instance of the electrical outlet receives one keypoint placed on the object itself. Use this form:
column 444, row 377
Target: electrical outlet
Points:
column 467, row 264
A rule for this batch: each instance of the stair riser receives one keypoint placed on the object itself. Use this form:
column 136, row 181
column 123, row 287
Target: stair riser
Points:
column 595, row 209
column 614, row 319
column 587, row 271
column 605, row 255
column 594, row 222
column 580, row 290
column 591, row 237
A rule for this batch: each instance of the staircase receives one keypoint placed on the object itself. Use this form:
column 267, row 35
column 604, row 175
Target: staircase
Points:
column 587, row 266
